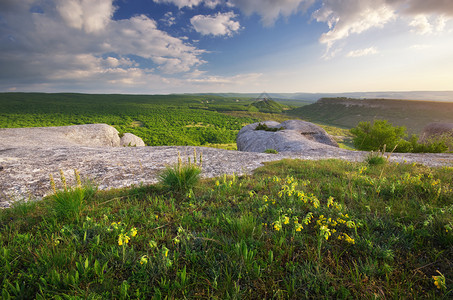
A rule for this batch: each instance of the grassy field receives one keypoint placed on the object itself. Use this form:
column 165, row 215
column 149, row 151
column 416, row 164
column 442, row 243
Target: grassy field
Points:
column 347, row 113
column 295, row 229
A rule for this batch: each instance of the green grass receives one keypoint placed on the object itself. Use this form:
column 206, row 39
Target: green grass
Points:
column 295, row 229
column 181, row 178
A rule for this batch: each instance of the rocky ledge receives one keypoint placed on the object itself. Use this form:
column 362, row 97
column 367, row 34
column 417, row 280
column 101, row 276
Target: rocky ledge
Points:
column 25, row 169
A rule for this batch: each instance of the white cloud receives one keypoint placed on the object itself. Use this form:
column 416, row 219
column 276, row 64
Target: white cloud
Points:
column 362, row 52
column 271, row 10
column 420, row 46
column 63, row 48
column 168, row 19
column 219, row 24
column 90, row 15
column 351, row 17
column 422, row 24
column 191, row 3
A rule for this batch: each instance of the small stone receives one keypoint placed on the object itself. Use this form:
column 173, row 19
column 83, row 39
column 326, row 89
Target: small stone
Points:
column 131, row 140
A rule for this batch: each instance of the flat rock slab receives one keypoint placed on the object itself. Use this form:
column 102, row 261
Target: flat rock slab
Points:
column 24, row 171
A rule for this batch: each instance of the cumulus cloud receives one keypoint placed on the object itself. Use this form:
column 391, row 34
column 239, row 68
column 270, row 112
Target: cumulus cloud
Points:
column 423, row 25
column 351, row 16
column 89, row 15
column 191, row 3
column 362, row 52
column 217, row 25
column 347, row 17
column 66, row 42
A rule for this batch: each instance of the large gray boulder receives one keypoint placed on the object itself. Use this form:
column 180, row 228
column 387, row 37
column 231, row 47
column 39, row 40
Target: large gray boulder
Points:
column 131, row 140
column 293, row 136
column 89, row 135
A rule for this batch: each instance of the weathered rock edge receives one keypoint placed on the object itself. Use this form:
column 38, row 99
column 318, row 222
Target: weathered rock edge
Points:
column 24, row 171
column 291, row 136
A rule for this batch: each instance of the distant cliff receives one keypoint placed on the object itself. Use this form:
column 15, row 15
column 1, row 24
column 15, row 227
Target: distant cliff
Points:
column 348, row 112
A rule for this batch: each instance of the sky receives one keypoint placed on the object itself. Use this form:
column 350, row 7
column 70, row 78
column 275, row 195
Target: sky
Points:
column 217, row 46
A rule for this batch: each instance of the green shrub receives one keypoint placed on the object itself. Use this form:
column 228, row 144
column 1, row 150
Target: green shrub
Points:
column 263, row 126
column 182, row 177
column 373, row 137
column 271, row 151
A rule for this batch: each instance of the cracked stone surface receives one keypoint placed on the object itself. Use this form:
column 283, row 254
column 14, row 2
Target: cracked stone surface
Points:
column 27, row 159
column 24, row 171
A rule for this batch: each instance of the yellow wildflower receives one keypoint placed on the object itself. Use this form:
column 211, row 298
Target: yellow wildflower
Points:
column 133, row 231
column 286, row 220
column 439, row 281
column 144, row 260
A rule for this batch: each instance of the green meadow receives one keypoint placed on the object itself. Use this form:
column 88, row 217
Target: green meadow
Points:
column 294, row 229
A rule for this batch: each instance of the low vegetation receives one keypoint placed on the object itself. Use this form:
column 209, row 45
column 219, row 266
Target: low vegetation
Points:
column 271, row 151
column 263, row 126
column 295, row 229
column 381, row 134
column 347, row 113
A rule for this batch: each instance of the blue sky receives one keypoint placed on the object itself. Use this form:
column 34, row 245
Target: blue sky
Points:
column 179, row 46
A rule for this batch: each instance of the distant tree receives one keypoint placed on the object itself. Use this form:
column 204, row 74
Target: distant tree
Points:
column 373, row 137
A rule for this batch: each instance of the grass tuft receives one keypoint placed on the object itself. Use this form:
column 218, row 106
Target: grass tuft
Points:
column 182, row 177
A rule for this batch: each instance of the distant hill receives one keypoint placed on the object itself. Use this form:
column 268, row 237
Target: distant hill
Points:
column 267, row 106
column 348, row 112
column 442, row 96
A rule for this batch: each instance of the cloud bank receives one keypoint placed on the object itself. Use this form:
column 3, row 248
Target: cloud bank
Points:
column 46, row 43
column 79, row 40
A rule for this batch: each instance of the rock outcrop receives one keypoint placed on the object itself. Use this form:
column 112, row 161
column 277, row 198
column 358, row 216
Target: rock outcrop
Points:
column 131, row 140
column 27, row 161
column 89, row 135
column 289, row 136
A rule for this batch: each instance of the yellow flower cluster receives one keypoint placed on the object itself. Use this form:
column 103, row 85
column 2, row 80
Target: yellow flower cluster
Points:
column 346, row 238
column 439, row 281
column 124, row 237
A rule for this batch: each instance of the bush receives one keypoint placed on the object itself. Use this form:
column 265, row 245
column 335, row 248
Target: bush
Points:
column 373, row 137
column 381, row 134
